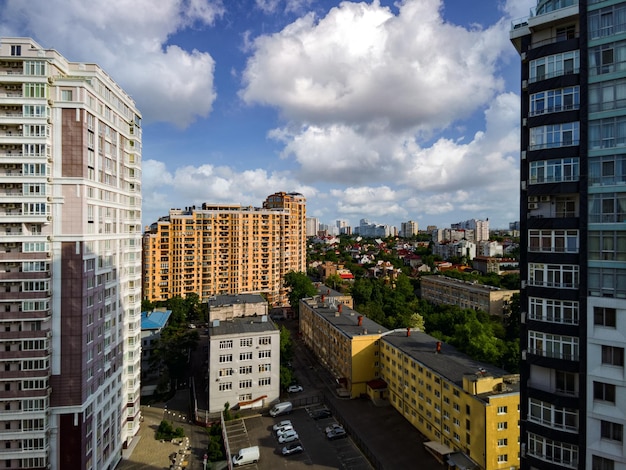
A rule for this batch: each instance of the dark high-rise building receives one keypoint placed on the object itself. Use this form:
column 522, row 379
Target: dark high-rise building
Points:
column 573, row 234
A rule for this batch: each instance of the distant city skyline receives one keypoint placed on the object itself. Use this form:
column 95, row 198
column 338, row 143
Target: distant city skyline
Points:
column 415, row 115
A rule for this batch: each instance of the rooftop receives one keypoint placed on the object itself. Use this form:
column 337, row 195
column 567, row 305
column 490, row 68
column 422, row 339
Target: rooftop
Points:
column 154, row 320
column 240, row 325
column 449, row 363
column 223, row 300
column 346, row 320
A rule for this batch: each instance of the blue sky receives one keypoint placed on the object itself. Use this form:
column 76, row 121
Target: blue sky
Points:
column 389, row 111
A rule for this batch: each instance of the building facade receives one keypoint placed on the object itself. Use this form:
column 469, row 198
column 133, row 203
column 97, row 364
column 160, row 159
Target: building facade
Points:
column 244, row 363
column 450, row 291
column 345, row 342
column 573, row 238
column 70, row 261
column 409, row 229
column 226, row 249
column 468, row 411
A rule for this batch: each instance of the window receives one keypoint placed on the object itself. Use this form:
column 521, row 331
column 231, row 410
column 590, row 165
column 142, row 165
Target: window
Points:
column 502, row 425
column 555, row 135
column 552, row 451
column 603, row 316
column 553, row 101
column 226, row 344
column 16, row 50
column 264, row 381
column 607, row 58
column 552, row 416
column 607, row 245
column 224, row 386
column 548, row 345
column 245, row 356
column 554, row 171
column 502, row 410
column 553, row 311
column 607, row 133
column 606, row 21
column 503, row 458
column 562, row 276
column 503, row 442
column 265, row 340
column 245, row 370
column 613, row 356
column 566, row 383
column 553, row 241
column 245, row 383
column 604, row 392
column 554, row 66
column 226, row 358
column 245, row 342
column 612, row 431
column 601, row 463
column 606, row 282
column 607, row 96
column 607, row 208
column 265, row 354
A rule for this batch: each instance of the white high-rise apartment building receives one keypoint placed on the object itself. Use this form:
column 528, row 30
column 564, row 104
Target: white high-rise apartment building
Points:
column 70, row 262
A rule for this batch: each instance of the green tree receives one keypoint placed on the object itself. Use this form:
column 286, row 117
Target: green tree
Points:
column 193, row 306
column 286, row 376
column 286, row 345
column 334, row 281
column 300, row 287
column 215, row 449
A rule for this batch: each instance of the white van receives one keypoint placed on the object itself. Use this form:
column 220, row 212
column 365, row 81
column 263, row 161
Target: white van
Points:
column 281, row 409
column 246, row 455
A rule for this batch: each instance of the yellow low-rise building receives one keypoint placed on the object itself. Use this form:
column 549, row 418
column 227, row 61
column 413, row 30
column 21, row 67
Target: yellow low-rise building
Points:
column 468, row 411
column 344, row 341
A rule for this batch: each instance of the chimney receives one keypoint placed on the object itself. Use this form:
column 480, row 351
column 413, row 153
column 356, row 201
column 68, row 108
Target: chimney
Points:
column 360, row 318
column 322, row 298
column 438, row 347
column 408, row 331
column 339, row 307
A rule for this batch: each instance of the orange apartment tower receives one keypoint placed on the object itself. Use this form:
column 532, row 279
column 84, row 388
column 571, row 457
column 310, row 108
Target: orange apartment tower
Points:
column 219, row 249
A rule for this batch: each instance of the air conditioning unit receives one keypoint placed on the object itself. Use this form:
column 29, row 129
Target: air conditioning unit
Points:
column 524, row 84
column 523, row 154
column 524, row 121
column 523, row 56
column 545, row 198
column 533, row 205
column 532, row 199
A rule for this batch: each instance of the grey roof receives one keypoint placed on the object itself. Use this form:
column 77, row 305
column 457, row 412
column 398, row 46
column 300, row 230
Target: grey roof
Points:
column 250, row 324
column 449, row 363
column 327, row 291
column 348, row 320
column 222, row 300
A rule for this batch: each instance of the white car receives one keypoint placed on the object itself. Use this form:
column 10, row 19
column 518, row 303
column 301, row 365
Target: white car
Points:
column 284, row 430
column 333, row 427
column 283, row 423
column 289, row 436
column 295, row 389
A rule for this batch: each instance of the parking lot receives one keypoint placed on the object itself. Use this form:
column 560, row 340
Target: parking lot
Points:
column 318, row 450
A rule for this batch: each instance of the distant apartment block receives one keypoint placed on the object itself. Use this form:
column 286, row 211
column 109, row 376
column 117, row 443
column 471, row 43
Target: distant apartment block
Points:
column 468, row 411
column 461, row 249
column 366, row 229
column 480, row 228
column 312, row 226
column 446, row 290
column 488, row 264
column 345, row 342
column 441, row 235
column 226, row 249
column 408, row 229
column 70, row 262
column 489, row 248
column 244, row 363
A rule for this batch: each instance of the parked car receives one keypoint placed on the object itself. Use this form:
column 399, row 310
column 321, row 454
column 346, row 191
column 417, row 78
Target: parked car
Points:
column 281, row 424
column 321, row 414
column 284, row 430
column 336, row 434
column 281, row 409
column 295, row 388
column 333, row 427
column 289, row 436
column 293, row 448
